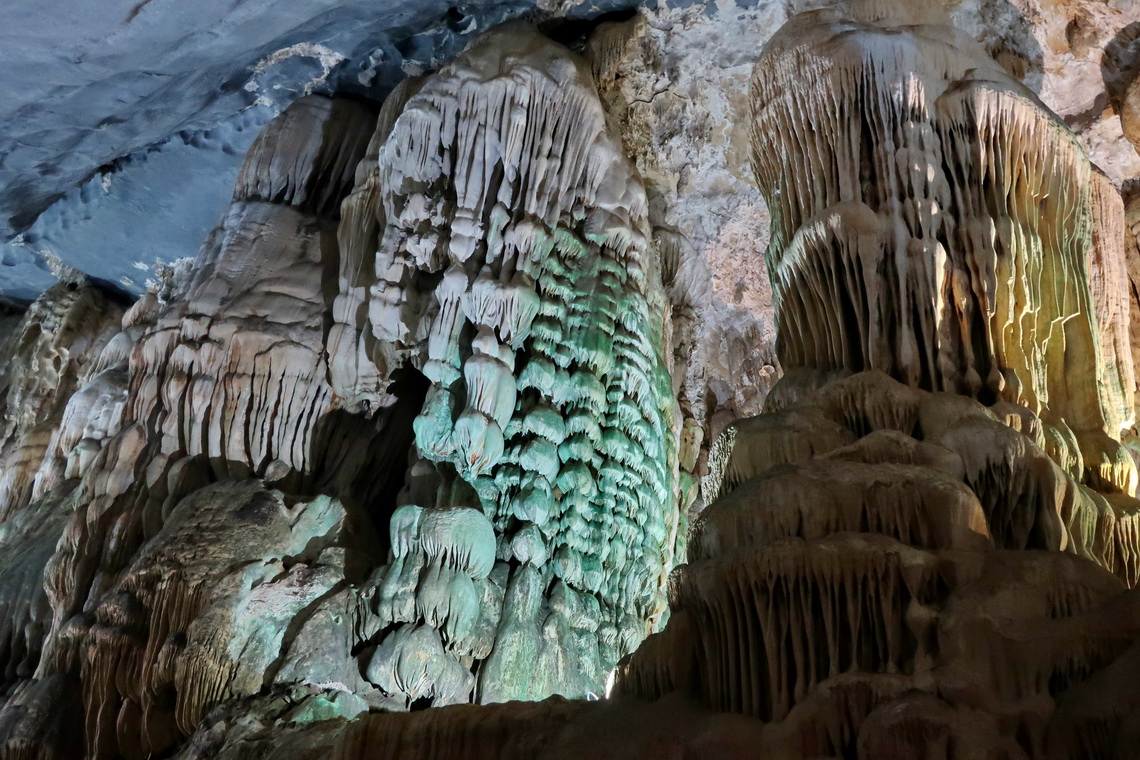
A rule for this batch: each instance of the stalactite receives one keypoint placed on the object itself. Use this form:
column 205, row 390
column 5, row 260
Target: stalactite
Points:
column 914, row 187
column 455, row 322
column 1109, row 284
column 948, row 277
column 216, row 375
column 511, row 266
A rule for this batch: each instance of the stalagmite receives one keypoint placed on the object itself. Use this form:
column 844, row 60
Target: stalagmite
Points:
column 938, row 237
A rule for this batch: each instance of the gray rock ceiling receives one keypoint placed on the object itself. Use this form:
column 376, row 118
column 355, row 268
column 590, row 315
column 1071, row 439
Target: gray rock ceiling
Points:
column 123, row 123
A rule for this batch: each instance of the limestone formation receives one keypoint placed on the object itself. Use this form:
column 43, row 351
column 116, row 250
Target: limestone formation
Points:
column 425, row 422
column 496, row 241
column 936, row 271
column 214, row 607
column 59, row 350
column 63, row 389
column 895, row 539
column 898, row 560
column 155, row 598
column 202, row 490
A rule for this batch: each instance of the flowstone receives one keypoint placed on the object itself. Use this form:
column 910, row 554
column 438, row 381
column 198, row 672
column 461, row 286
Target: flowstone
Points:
column 153, row 570
column 925, row 546
column 405, row 435
column 496, row 240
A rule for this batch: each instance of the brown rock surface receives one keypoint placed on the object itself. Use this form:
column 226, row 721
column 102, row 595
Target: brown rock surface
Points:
column 832, row 565
column 424, row 422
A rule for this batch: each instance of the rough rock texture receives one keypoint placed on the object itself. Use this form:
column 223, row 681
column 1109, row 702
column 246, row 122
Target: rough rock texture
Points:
column 126, row 98
column 676, row 81
column 895, row 563
column 63, row 389
column 881, row 554
column 496, row 241
column 127, row 222
column 918, row 247
column 155, row 597
column 200, row 498
column 216, row 606
column 425, row 421
column 682, row 76
column 1079, row 58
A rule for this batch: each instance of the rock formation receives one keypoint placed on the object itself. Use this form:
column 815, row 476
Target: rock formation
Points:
column 422, row 426
column 204, row 495
column 888, row 566
column 151, row 594
column 496, row 242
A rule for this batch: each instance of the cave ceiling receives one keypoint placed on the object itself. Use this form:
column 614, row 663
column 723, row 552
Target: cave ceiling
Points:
column 123, row 124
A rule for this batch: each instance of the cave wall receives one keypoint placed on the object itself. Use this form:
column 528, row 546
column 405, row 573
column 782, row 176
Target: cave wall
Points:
column 408, row 413
column 426, row 420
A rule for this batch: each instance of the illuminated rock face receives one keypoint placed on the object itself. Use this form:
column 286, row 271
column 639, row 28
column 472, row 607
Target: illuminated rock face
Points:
column 496, row 241
column 63, row 389
column 869, row 540
column 405, row 436
column 860, row 581
column 227, row 382
column 416, row 449
column 930, row 220
column 178, row 531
